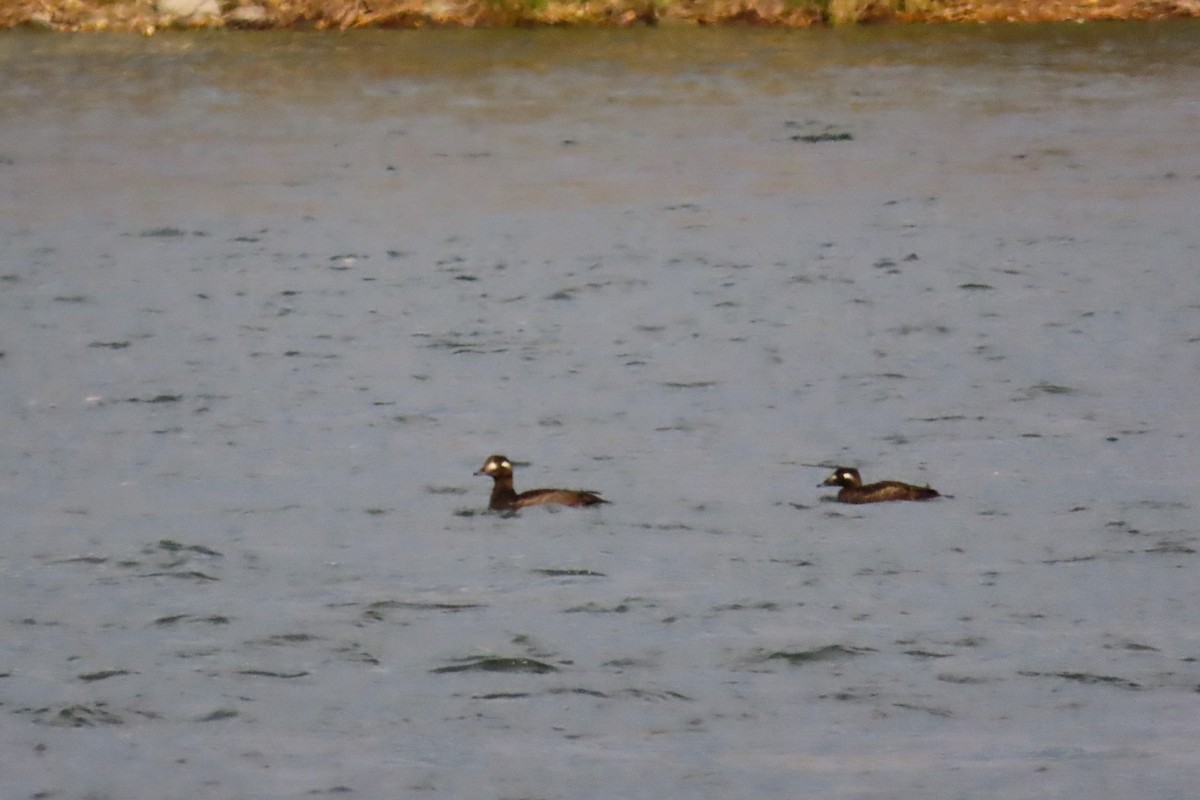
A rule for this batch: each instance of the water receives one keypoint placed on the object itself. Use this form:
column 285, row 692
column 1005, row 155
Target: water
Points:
column 269, row 300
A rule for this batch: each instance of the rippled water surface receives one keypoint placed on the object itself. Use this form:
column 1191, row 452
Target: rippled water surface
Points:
column 267, row 301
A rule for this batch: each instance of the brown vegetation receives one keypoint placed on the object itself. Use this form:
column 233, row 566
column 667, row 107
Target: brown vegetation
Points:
column 150, row 15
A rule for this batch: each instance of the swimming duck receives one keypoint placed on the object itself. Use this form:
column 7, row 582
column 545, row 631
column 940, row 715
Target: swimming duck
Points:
column 853, row 491
column 505, row 498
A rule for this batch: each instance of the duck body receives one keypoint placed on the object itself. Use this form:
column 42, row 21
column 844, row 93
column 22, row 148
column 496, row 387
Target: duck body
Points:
column 853, row 490
column 505, row 497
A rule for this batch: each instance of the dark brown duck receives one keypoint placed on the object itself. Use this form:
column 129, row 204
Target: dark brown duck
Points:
column 853, row 491
column 505, row 498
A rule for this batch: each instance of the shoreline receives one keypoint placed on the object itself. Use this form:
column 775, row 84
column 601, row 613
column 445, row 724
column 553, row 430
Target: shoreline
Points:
column 151, row 16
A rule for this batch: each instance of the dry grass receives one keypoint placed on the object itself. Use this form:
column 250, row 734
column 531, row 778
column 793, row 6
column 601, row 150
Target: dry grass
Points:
column 146, row 15
column 1064, row 10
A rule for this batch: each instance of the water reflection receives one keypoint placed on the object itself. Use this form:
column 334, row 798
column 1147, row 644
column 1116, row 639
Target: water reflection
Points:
column 267, row 298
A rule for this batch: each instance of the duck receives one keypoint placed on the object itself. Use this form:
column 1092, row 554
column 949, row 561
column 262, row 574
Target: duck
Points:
column 505, row 498
column 853, row 491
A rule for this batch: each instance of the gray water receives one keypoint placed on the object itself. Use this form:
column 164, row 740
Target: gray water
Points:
column 267, row 301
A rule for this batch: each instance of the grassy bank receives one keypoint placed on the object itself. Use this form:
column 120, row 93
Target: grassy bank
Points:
column 150, row 15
